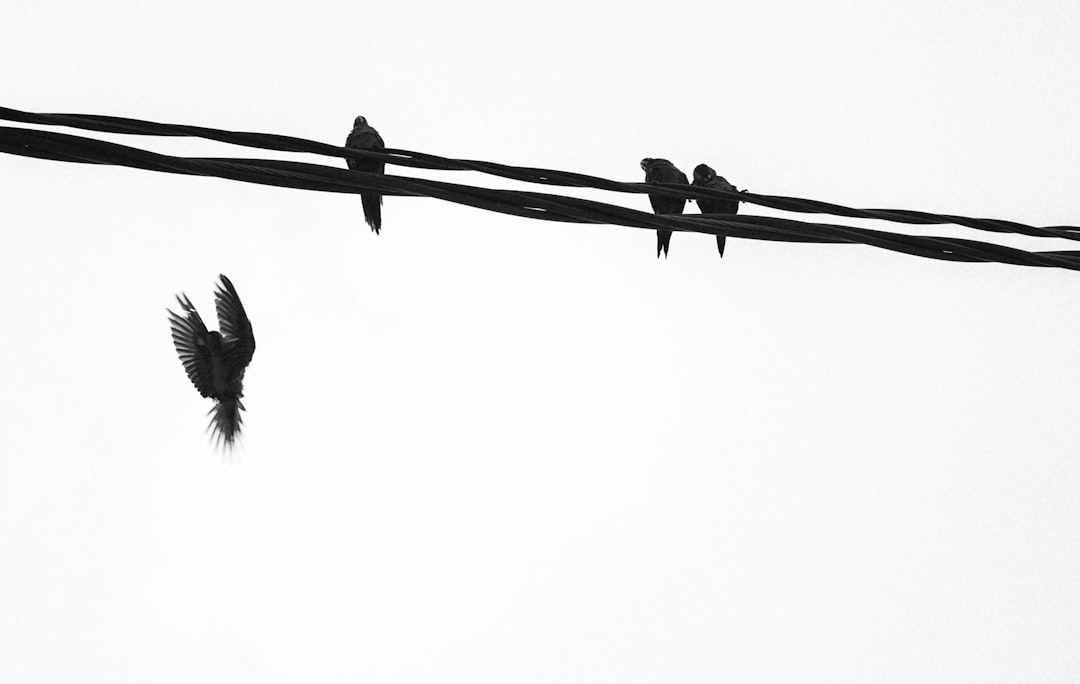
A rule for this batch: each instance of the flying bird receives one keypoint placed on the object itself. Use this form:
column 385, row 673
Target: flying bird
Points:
column 705, row 177
column 215, row 361
column 364, row 137
column 663, row 171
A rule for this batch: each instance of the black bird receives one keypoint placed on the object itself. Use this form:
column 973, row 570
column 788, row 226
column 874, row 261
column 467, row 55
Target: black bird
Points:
column 215, row 361
column 364, row 137
column 663, row 171
column 705, row 177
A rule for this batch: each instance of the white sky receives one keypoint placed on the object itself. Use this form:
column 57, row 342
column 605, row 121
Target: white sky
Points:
column 485, row 449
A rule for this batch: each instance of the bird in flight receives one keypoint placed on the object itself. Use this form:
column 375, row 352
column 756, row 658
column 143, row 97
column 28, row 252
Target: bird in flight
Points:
column 705, row 177
column 663, row 171
column 215, row 361
column 364, row 137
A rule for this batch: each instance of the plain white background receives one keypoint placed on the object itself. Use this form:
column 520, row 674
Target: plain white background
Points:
column 485, row 449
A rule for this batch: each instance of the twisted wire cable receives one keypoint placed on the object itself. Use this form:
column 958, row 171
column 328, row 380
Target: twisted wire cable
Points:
column 284, row 143
column 301, row 175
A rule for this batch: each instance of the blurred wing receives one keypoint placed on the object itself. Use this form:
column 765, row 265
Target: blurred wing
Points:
column 189, row 337
column 235, row 326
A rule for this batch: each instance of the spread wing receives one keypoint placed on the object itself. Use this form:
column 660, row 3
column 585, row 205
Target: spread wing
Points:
column 189, row 336
column 235, row 326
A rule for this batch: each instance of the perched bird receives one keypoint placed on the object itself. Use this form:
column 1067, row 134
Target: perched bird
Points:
column 705, row 177
column 364, row 137
column 215, row 361
column 663, row 171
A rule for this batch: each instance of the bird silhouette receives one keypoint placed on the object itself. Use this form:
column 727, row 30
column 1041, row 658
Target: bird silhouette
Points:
column 705, row 177
column 215, row 361
column 364, row 137
column 663, row 171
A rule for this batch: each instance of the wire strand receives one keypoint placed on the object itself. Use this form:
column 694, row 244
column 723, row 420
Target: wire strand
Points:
column 301, row 175
column 284, row 143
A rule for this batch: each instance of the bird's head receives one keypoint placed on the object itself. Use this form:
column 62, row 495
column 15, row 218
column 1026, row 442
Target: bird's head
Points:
column 649, row 164
column 359, row 121
column 703, row 173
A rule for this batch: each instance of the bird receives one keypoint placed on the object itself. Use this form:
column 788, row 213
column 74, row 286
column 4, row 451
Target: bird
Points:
column 215, row 361
column 663, row 171
column 364, row 137
column 705, row 177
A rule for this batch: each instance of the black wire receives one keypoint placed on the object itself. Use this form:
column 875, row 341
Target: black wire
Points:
column 307, row 176
column 284, row 143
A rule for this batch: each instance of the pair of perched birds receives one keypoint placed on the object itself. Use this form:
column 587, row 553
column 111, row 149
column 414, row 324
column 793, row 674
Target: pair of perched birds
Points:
column 663, row 171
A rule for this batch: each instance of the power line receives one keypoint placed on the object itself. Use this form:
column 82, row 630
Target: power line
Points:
column 546, row 206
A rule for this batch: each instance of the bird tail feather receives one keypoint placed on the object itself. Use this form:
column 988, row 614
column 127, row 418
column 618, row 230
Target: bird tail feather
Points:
column 372, row 210
column 225, row 422
column 663, row 242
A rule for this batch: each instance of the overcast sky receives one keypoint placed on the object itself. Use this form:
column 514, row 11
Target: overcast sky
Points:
column 480, row 448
